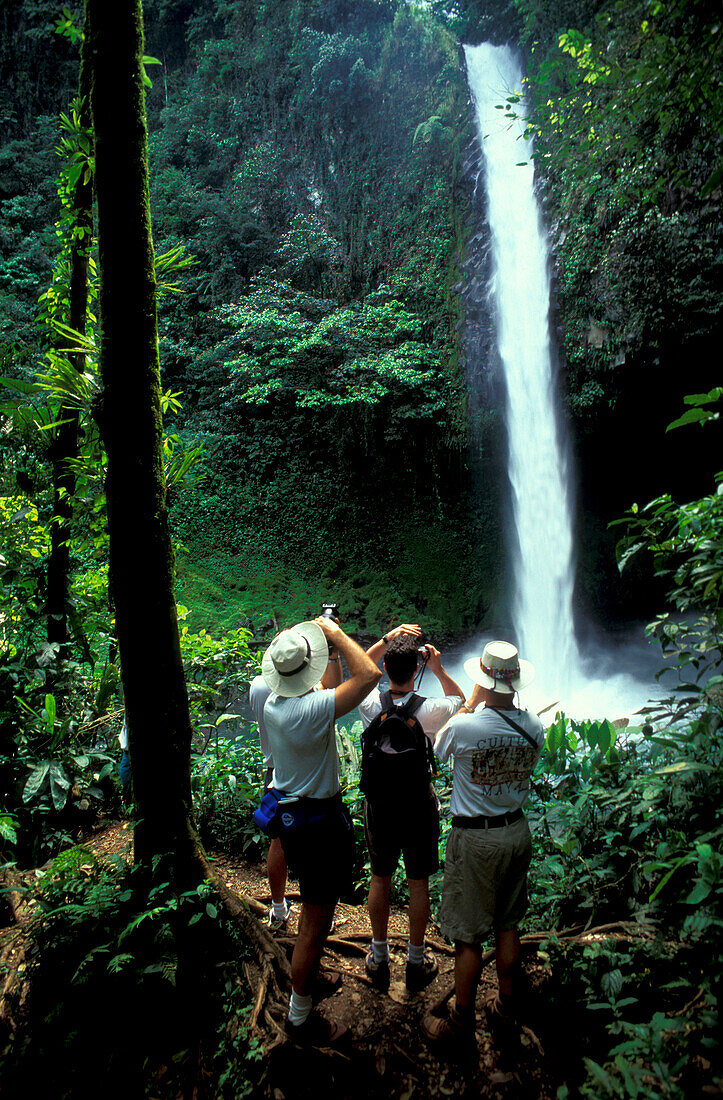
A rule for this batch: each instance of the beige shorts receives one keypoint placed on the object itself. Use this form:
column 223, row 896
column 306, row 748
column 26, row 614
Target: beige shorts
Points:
column 485, row 881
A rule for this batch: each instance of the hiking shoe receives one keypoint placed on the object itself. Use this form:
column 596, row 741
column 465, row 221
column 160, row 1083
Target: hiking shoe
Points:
column 420, row 975
column 378, row 973
column 278, row 924
column 455, row 1030
column 325, row 984
column 316, row 1030
column 504, row 1027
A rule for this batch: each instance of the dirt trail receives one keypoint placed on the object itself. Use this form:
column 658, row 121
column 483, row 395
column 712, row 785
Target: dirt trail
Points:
column 388, row 1056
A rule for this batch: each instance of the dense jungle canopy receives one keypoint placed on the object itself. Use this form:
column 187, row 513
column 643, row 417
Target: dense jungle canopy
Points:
column 319, row 415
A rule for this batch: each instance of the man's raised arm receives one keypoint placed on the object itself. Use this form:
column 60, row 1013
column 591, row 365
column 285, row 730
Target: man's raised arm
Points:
column 363, row 673
column 434, row 664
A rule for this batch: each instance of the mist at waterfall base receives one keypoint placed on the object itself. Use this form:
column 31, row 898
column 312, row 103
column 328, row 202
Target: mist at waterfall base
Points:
column 607, row 681
column 617, row 676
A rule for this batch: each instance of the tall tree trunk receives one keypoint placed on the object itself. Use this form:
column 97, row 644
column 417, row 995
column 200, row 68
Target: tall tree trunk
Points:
column 141, row 553
column 66, row 443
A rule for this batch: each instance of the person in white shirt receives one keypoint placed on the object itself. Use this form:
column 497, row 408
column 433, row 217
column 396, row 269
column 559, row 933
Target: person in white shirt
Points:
column 391, row 834
column 495, row 747
column 317, row 834
column 276, row 869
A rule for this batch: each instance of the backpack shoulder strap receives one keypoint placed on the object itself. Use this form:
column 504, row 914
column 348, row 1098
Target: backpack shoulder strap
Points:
column 412, row 705
column 385, row 698
column 518, row 729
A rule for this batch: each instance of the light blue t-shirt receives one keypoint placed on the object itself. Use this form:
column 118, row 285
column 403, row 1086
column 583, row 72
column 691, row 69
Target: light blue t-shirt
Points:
column 259, row 692
column 302, row 742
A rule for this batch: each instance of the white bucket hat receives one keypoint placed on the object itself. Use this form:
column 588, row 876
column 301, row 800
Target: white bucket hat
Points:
column 500, row 669
column 296, row 659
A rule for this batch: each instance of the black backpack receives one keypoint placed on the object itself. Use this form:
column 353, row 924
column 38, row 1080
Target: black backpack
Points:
column 402, row 775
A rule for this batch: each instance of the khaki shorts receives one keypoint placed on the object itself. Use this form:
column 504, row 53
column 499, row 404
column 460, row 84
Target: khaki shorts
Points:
column 485, row 881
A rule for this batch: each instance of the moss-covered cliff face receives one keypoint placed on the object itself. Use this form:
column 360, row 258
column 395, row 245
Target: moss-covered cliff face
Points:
column 308, row 155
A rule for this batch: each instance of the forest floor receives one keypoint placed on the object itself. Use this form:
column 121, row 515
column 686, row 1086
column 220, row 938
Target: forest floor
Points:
column 387, row 1056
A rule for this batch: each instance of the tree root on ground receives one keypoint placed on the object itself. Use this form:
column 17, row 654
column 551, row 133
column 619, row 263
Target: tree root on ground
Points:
column 620, row 931
column 15, row 946
column 273, row 965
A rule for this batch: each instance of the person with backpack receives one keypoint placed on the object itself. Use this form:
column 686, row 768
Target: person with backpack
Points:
column 401, row 815
column 495, row 747
column 316, row 831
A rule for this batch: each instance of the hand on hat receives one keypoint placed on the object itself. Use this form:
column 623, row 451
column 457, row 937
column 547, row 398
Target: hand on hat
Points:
column 412, row 630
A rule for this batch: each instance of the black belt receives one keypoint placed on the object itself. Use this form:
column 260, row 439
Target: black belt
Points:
column 482, row 822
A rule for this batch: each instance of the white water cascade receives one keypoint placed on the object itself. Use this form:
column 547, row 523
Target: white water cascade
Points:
column 615, row 678
column 520, row 293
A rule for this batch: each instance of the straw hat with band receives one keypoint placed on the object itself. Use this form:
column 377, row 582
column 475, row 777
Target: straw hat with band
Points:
column 500, row 669
column 296, row 660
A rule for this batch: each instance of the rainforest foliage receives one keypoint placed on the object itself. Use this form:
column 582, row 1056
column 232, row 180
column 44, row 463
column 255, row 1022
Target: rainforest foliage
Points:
column 311, row 199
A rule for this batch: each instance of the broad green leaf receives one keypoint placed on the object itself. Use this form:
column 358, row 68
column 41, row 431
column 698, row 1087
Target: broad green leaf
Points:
column 59, row 785
column 699, row 893
column 36, row 781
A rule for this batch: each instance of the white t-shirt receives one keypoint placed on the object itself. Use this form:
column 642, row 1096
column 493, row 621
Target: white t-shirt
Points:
column 259, row 692
column 302, row 742
column 432, row 714
column 492, row 762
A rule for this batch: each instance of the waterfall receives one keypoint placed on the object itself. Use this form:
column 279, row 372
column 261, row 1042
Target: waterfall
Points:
column 542, row 544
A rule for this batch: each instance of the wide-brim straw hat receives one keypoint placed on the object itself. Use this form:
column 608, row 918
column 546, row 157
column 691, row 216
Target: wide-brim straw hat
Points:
column 500, row 668
column 296, row 660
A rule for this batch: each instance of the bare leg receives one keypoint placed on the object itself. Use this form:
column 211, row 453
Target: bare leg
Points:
column 507, row 957
column 418, row 909
column 378, row 905
column 276, row 870
column 313, row 926
column 467, row 967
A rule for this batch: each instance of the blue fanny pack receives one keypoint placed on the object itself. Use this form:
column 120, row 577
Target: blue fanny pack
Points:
column 282, row 813
column 267, row 815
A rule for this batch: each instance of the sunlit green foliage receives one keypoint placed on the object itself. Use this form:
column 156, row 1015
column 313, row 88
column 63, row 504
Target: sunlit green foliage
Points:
column 628, row 121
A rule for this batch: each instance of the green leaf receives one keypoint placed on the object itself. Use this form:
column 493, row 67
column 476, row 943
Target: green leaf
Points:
column 693, row 416
column 59, row 785
column 211, row 910
column 36, row 781
column 612, row 983
column 50, row 713
column 699, row 893
column 19, row 386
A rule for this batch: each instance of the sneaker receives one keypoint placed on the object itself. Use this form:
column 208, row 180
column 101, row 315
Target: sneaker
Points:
column 420, row 975
column 378, row 973
column 278, row 924
column 453, row 1030
column 316, row 1030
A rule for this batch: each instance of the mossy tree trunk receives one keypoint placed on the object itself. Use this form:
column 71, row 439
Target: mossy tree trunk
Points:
column 141, row 553
column 65, row 447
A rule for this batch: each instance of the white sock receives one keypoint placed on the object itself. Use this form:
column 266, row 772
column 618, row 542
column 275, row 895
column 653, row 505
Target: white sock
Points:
column 299, row 1008
column 280, row 908
column 415, row 955
column 380, row 949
